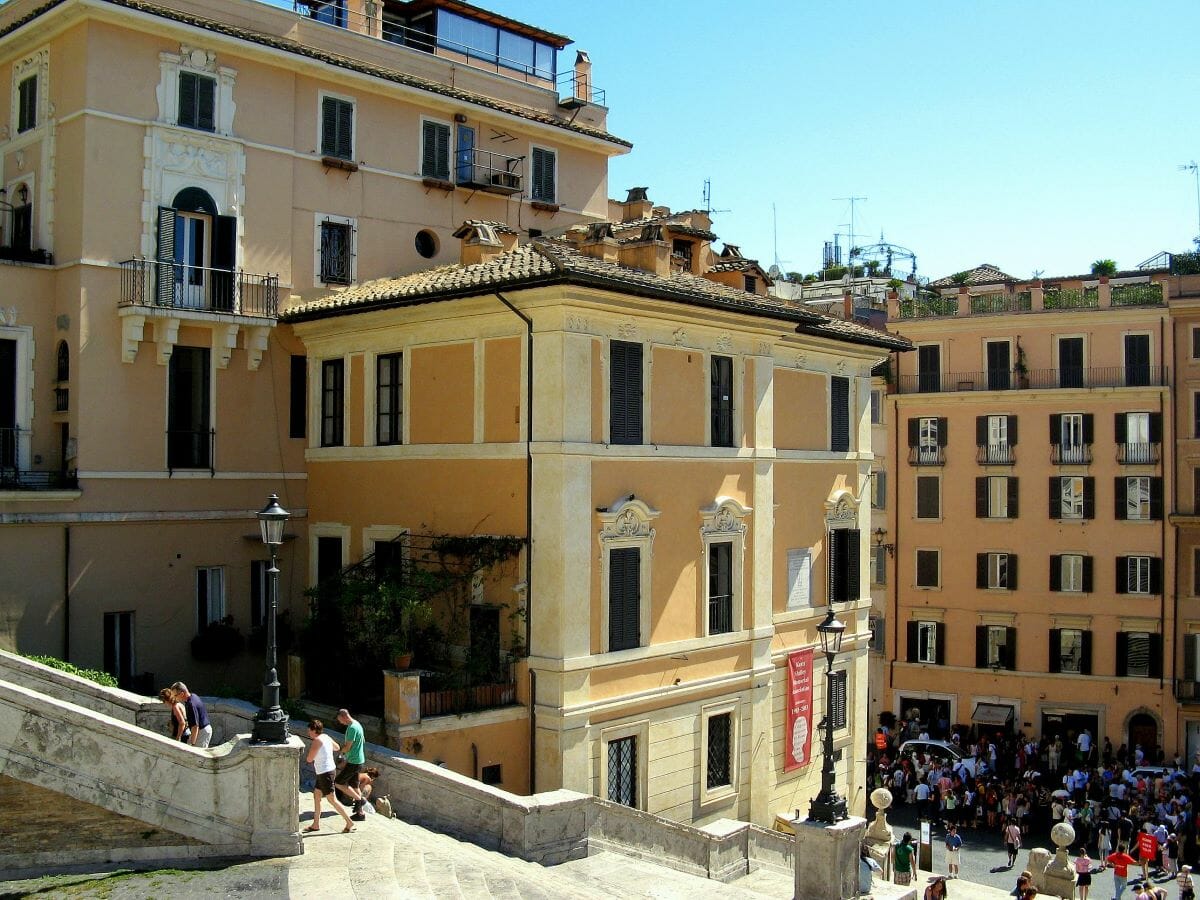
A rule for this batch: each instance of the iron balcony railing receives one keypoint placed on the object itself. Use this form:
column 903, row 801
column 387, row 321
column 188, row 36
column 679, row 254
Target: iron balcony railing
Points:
column 1137, row 454
column 1070, row 298
column 574, row 87
column 15, row 477
column 62, row 399
column 995, row 455
column 188, row 449
column 1035, row 379
column 158, row 282
column 1000, row 302
column 487, row 170
column 1137, row 294
column 720, row 614
column 1070, row 455
column 927, row 456
column 1187, row 691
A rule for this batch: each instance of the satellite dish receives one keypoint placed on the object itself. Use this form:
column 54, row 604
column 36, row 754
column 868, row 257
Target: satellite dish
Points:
column 774, row 272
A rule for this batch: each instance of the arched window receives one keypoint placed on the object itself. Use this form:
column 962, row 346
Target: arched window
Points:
column 64, row 362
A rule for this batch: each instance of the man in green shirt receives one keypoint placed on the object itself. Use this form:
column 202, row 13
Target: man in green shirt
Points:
column 347, row 779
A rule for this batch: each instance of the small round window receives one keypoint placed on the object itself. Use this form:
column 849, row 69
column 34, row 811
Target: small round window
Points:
column 427, row 243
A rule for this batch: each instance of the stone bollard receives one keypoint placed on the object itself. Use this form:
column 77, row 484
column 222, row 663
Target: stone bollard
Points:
column 1058, row 879
column 879, row 835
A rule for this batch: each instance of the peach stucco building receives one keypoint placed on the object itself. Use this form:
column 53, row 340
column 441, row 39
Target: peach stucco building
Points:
column 1038, row 462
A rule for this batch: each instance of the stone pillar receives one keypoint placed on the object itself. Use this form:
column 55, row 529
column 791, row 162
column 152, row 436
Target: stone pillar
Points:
column 1104, row 293
column 879, row 835
column 964, row 301
column 827, row 859
column 893, row 306
column 273, row 798
column 1037, row 297
column 401, row 700
column 583, row 77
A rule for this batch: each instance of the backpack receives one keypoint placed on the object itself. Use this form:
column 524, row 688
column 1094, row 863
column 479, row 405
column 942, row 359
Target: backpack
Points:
column 383, row 806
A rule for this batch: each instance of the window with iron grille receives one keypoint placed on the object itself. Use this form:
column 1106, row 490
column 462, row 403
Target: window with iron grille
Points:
column 837, row 690
column 63, row 368
column 332, row 402
column 681, row 251
column 720, row 747
column 27, row 110
column 721, row 401
column 337, row 128
column 543, row 181
column 337, row 253
column 435, row 150
column 623, row 771
column 389, row 399
column 720, row 587
column 197, row 101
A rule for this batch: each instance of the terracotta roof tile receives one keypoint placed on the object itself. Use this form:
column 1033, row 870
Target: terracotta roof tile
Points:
column 984, row 273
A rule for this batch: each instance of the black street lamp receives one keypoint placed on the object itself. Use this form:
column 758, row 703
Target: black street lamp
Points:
column 828, row 806
column 271, row 722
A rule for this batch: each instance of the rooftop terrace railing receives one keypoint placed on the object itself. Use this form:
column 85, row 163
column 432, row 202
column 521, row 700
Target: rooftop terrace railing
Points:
column 1035, row 379
column 1137, row 294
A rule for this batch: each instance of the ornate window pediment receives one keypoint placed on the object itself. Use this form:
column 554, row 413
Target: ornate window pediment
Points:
column 627, row 519
column 841, row 510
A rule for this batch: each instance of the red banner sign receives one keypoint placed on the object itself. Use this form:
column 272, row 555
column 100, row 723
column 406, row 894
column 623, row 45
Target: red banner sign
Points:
column 798, row 735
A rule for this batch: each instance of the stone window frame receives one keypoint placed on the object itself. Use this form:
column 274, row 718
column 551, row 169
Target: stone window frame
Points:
column 200, row 62
column 724, row 522
column 326, row 529
column 320, row 219
column 322, row 96
column 36, row 64
column 626, row 523
column 640, row 730
column 707, row 712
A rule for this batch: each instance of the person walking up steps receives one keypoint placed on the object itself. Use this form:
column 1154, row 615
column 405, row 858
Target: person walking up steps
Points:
column 347, row 778
column 320, row 754
column 197, row 715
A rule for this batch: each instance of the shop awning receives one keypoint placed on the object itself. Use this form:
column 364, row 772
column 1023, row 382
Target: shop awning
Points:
column 992, row 714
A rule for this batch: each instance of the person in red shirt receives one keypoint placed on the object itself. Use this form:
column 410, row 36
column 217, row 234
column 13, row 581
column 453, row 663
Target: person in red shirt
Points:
column 1147, row 845
column 1120, row 862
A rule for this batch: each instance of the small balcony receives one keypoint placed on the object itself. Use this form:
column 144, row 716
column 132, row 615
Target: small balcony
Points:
column 1066, row 455
column 15, row 473
column 995, row 455
column 1187, row 691
column 926, row 456
column 191, row 450
column 166, row 283
column 445, row 694
column 62, row 399
column 1138, row 454
column 1070, row 377
column 486, row 170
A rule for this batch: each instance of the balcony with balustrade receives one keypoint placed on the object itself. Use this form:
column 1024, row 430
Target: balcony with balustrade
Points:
column 1066, row 377
column 23, row 470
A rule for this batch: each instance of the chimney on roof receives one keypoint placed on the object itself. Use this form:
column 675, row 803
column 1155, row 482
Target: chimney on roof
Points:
column 598, row 242
column 636, row 206
column 848, row 306
column 483, row 241
column 649, row 251
column 583, row 77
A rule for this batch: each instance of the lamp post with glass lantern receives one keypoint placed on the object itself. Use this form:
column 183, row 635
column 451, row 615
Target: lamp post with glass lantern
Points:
column 270, row 723
column 828, row 806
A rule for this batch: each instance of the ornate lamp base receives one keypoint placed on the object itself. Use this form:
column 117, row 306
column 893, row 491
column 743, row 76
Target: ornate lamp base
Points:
column 270, row 727
column 828, row 808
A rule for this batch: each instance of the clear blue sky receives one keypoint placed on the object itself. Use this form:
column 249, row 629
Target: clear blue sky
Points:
column 1031, row 135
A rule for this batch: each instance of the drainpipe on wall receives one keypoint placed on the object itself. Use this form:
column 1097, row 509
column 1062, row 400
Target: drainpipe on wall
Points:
column 66, row 593
column 1162, row 599
column 895, row 516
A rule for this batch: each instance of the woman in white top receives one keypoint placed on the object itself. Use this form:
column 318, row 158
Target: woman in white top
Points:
column 320, row 754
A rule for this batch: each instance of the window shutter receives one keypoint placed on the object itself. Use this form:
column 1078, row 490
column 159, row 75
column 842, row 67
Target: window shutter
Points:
column 981, row 660
column 298, row 398
column 1156, row 498
column 1119, row 430
column 1055, row 650
column 625, row 393
column 1088, row 433
column 429, row 149
column 1085, row 655
column 1155, row 575
column 1055, row 497
column 914, row 432
column 721, row 401
column 201, row 598
column 1189, row 652
column 224, row 257
column 941, row 643
column 1156, row 656
column 943, row 435
column 206, row 103
column 1055, row 429
column 1089, row 497
column 981, row 498
column 852, row 554
column 1010, row 649
column 836, row 583
column 981, row 431
column 1120, row 498
column 1012, row 497
column 165, row 254
column 912, row 641
column 345, row 131
column 1156, row 428
column 1012, row 431
column 1055, row 572
column 1122, row 586
column 981, row 570
column 624, row 585
column 1122, row 654
column 1087, row 574
column 187, row 100
column 1012, row 571
column 839, row 414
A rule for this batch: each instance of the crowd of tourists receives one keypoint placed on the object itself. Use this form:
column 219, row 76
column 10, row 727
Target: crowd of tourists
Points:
column 1130, row 799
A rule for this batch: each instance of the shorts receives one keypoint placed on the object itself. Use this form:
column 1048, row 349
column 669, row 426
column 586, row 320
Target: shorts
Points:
column 1012, row 848
column 203, row 736
column 904, row 878
column 1085, row 879
column 349, row 774
column 325, row 783
column 952, row 857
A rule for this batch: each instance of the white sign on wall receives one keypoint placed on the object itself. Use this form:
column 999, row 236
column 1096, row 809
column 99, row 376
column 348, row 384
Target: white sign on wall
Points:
column 799, row 567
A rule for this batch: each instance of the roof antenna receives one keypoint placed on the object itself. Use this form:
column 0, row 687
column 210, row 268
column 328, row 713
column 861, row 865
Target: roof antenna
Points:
column 708, row 199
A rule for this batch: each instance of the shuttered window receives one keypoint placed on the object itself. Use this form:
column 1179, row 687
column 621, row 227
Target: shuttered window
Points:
column 837, row 693
column 624, row 597
column 1139, row 654
column 625, row 393
column 1139, row 575
column 721, row 401
column 435, row 150
column 260, row 591
column 332, row 402
column 996, row 571
column 995, row 646
column 197, row 101
column 337, row 128
column 839, row 414
column 298, row 398
column 1070, row 651
column 541, row 186
column 844, row 559
column 926, row 643
column 27, row 104
column 389, row 399
column 996, row 497
column 210, row 595
column 929, row 497
column 928, row 568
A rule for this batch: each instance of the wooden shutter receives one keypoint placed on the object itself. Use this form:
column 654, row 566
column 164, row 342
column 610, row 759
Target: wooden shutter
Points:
column 1089, row 497
column 165, row 255
column 345, row 133
column 914, row 432
column 852, row 541
column 1055, row 429
column 943, row 432
column 839, row 414
column 1085, row 654
column 1119, row 427
column 1122, row 586
column 1088, row 432
column 331, row 127
column 1189, row 653
column 224, row 257
column 435, row 150
column 624, row 600
column 1156, row 428
column 206, row 103
column 981, row 570
column 542, row 188
column 981, row 498
column 1012, row 431
column 1087, row 574
column 187, row 100
column 1155, row 575
column 981, row 659
column 1120, row 498
column 1156, row 656
column 1055, row 572
column 941, row 643
column 1012, row 572
column 1055, row 664
column 912, row 642
column 625, row 393
column 1122, row 667
column 1055, row 497
column 981, row 431
column 1010, row 649
column 298, row 398
column 1012, row 497
column 1156, row 498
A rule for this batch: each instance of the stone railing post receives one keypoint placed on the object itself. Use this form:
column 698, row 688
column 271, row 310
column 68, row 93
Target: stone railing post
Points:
column 1037, row 297
column 964, row 301
column 1104, row 293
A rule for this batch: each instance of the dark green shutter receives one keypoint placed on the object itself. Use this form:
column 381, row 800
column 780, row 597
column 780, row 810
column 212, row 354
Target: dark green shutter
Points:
column 1155, row 428
column 187, row 99
column 1012, row 431
column 941, row 644
column 1089, row 497
column 165, row 254
column 943, row 432
column 1055, row 429
column 981, row 431
column 1120, row 421
column 1156, row 498
column 981, row 659
column 224, row 258
column 625, row 393
column 1055, row 572
column 839, row 414
column 721, row 401
column 914, row 432
column 624, row 600
column 981, row 570
column 1122, row 654
column 912, row 642
column 1156, row 656
column 836, row 582
column 1155, row 575
column 1120, row 498
column 852, row 541
column 1010, row 649
column 1085, row 656
column 1088, row 433
column 1012, row 497
column 1122, row 584
column 1189, row 657
column 981, row 498
column 435, row 150
column 1012, row 572
column 329, row 126
column 1087, row 574
column 1055, row 497
column 1055, row 664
